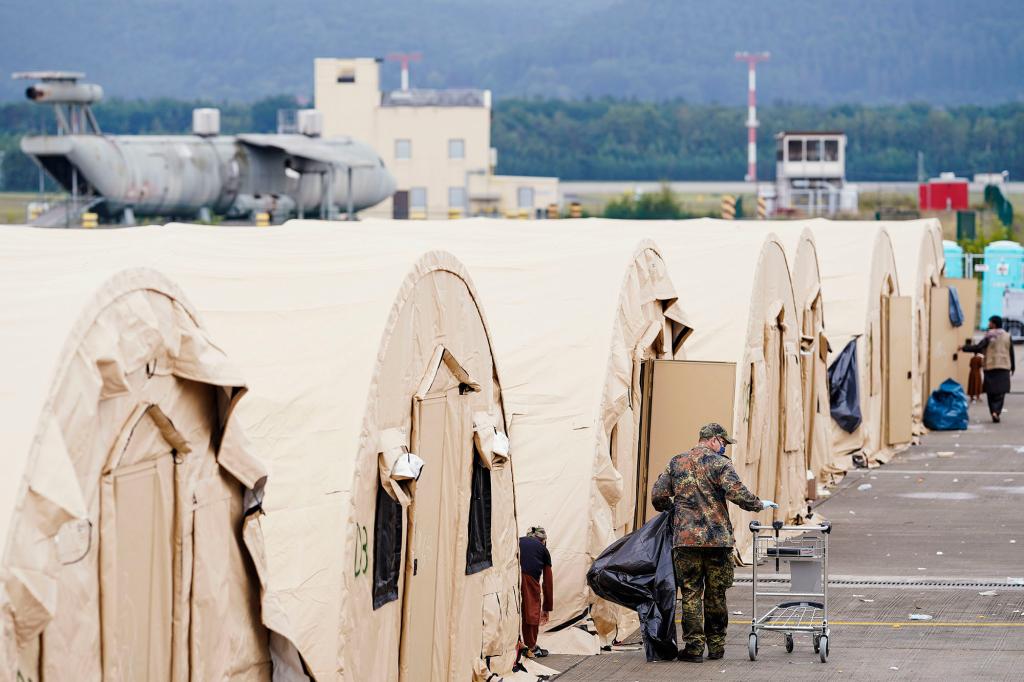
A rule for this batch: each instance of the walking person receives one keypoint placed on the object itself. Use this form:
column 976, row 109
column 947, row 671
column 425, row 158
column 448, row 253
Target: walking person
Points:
column 537, row 587
column 1000, row 364
column 695, row 486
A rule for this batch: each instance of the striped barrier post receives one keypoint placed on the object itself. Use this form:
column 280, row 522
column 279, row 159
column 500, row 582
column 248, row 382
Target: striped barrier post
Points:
column 728, row 207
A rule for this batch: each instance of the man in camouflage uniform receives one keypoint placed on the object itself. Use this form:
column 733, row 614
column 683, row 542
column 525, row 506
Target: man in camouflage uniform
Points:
column 695, row 486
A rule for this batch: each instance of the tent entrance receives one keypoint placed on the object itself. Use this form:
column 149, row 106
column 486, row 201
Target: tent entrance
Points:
column 443, row 438
column 138, row 513
column 678, row 397
column 897, row 321
column 178, row 595
column 943, row 360
column 967, row 289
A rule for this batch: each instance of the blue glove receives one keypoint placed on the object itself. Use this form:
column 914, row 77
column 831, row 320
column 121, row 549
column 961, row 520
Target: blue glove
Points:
column 768, row 504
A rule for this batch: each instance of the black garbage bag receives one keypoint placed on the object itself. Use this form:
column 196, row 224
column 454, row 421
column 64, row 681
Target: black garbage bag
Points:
column 947, row 408
column 636, row 572
column 843, row 393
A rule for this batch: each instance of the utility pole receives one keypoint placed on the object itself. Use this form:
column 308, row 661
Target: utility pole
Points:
column 752, row 58
column 920, row 166
column 405, row 58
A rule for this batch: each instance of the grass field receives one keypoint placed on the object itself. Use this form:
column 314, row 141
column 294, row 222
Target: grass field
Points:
column 14, row 204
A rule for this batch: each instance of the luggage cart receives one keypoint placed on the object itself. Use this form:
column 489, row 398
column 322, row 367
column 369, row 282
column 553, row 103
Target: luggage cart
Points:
column 805, row 550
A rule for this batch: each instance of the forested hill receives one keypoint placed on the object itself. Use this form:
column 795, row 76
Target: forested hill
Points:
column 606, row 139
column 863, row 51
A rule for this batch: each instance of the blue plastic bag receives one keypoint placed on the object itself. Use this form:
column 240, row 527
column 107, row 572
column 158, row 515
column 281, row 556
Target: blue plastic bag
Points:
column 947, row 408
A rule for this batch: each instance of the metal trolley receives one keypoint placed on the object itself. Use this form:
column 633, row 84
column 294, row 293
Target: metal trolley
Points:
column 805, row 550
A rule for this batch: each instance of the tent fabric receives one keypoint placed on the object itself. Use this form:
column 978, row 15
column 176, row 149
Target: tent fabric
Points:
column 105, row 370
column 573, row 312
column 737, row 293
column 337, row 337
column 805, row 271
column 858, row 268
column 920, row 261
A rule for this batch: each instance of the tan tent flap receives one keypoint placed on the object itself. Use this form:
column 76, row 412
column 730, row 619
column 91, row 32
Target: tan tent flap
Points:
column 944, row 356
column 967, row 289
column 917, row 248
column 677, row 412
column 897, row 314
column 86, row 345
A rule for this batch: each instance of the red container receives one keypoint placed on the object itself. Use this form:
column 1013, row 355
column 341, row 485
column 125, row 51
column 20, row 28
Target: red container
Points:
column 942, row 195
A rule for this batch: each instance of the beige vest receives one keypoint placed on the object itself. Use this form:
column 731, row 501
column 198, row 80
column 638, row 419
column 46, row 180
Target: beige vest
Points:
column 997, row 353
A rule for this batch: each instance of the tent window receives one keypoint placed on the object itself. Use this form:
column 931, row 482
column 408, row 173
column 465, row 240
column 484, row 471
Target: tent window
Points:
column 478, row 550
column 387, row 548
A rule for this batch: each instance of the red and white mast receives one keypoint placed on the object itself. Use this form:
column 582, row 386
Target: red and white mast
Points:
column 752, row 58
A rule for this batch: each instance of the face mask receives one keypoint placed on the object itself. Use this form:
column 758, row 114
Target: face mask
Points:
column 721, row 450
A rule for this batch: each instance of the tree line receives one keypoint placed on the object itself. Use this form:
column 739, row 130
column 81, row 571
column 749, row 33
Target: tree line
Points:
column 615, row 139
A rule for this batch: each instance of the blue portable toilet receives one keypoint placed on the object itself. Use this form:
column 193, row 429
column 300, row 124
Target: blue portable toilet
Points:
column 954, row 254
column 1003, row 268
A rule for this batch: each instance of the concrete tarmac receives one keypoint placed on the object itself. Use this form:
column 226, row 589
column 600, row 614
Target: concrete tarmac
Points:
column 938, row 531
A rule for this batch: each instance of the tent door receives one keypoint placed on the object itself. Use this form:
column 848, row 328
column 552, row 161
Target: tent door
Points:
column 443, row 438
column 898, row 319
column 943, row 357
column 968, row 292
column 137, row 555
column 678, row 397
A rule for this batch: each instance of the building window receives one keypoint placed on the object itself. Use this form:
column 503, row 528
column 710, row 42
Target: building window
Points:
column 524, row 197
column 814, row 150
column 478, row 548
column 795, row 151
column 456, row 148
column 403, row 149
column 457, row 197
column 387, row 548
column 831, row 150
column 418, row 198
column 346, row 75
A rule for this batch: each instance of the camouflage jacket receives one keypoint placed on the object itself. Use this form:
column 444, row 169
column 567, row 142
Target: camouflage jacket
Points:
column 695, row 485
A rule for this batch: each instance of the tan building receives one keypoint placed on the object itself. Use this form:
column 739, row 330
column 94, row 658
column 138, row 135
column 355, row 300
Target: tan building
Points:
column 437, row 143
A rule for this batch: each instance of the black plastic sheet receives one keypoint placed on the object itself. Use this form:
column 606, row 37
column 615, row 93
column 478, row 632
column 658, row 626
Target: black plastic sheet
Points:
column 843, row 392
column 947, row 408
column 636, row 572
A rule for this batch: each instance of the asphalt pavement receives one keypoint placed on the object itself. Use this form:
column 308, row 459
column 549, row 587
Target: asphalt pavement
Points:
column 936, row 532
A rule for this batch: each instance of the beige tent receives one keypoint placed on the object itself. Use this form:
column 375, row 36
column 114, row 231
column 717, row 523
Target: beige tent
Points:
column 741, row 364
column 124, row 474
column 802, row 256
column 862, row 295
column 920, row 262
column 574, row 317
column 359, row 350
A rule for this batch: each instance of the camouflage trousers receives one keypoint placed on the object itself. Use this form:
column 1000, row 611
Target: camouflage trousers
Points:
column 703, row 574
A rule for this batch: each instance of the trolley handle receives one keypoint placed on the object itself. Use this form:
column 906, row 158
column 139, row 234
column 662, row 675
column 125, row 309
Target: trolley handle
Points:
column 777, row 526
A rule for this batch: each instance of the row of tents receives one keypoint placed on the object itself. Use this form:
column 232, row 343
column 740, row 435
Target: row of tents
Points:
column 209, row 433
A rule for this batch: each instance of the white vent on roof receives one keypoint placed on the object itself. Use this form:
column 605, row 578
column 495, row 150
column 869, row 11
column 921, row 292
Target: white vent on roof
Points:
column 206, row 122
column 311, row 122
